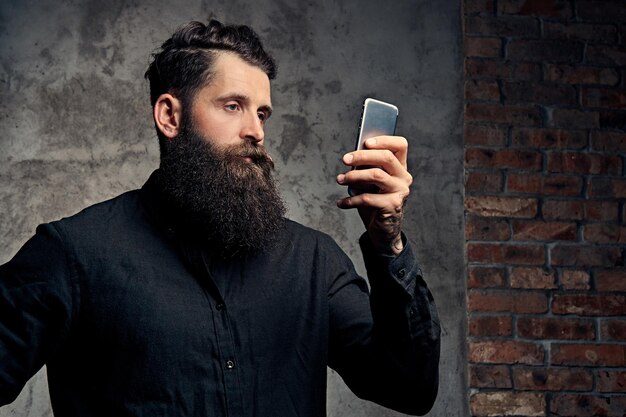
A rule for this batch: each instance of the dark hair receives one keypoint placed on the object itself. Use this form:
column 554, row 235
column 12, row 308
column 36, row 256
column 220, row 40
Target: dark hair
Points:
column 185, row 62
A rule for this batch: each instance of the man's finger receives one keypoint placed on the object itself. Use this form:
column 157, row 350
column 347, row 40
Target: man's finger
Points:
column 375, row 176
column 376, row 157
column 398, row 145
column 390, row 203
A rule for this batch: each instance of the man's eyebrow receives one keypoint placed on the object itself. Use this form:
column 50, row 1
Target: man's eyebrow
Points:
column 246, row 99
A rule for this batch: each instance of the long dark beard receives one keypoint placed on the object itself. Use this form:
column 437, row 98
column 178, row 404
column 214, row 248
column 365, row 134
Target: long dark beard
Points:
column 235, row 201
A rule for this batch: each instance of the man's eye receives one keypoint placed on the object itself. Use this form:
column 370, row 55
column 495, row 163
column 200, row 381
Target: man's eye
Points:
column 262, row 116
column 232, row 107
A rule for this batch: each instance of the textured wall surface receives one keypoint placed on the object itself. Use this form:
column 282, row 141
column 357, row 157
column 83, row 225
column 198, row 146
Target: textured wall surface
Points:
column 76, row 127
column 545, row 139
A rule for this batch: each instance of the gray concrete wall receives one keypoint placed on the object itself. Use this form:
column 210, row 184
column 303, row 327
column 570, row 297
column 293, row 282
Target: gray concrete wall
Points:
column 76, row 127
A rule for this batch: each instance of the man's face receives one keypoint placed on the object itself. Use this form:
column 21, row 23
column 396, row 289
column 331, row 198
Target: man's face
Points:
column 216, row 170
column 234, row 106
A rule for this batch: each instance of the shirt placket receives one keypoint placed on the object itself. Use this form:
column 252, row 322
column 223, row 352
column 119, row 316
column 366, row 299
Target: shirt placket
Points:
column 228, row 358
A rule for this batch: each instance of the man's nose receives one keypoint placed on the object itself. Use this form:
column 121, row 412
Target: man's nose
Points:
column 253, row 129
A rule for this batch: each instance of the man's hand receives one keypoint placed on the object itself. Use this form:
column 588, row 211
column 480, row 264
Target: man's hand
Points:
column 385, row 167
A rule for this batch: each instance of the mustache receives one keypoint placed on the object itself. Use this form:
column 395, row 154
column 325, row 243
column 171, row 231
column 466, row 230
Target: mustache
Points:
column 257, row 154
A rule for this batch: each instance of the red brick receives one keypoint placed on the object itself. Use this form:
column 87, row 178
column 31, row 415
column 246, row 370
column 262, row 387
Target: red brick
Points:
column 601, row 11
column 575, row 280
column 505, row 254
column 490, row 376
column 532, row 278
column 503, row 158
column 613, row 329
column 544, row 184
column 600, row 210
column 563, row 210
column 555, row 328
column 483, row 47
column 584, row 255
column 580, row 31
column 603, row 97
column 506, row 403
column 542, row 8
column 505, row 351
column 485, row 277
column 604, row 233
column 525, row 302
column 584, row 163
column 561, row 185
column 509, row 26
column 482, row 90
column 612, row 119
column 552, row 379
column 576, row 119
column 478, row 6
column 611, row 381
column 493, row 206
column 490, row 326
column 574, row 74
column 537, row 230
column 588, row 354
column 608, row 141
column 482, row 135
column 611, row 280
column 496, row 69
column 510, row 115
column 589, row 304
column 606, row 55
column 549, row 138
column 481, row 228
column 607, row 187
column 548, row 51
column 532, row 92
column 585, row 405
column 483, row 182
column 525, row 183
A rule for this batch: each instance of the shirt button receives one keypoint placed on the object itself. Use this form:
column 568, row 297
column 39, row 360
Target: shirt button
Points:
column 220, row 306
column 402, row 273
column 230, row 364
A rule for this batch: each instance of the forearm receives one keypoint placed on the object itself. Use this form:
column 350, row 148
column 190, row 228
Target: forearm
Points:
column 405, row 326
column 399, row 294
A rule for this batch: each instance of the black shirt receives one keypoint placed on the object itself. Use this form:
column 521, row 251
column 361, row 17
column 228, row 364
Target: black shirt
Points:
column 134, row 316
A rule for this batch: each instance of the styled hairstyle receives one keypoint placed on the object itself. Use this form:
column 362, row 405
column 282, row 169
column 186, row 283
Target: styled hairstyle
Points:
column 185, row 62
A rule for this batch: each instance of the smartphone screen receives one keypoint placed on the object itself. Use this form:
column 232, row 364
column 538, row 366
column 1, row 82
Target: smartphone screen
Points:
column 378, row 119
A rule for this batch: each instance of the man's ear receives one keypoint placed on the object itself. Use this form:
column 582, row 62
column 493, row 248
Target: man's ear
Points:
column 168, row 114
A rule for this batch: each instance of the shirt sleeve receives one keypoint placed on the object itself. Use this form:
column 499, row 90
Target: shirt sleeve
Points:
column 386, row 345
column 36, row 305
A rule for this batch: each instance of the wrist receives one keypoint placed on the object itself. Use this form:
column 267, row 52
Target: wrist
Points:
column 390, row 248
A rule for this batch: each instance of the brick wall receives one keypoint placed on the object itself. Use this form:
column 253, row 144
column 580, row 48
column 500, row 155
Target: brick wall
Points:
column 545, row 148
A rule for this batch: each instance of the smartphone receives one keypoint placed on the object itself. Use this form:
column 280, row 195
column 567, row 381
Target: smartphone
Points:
column 377, row 119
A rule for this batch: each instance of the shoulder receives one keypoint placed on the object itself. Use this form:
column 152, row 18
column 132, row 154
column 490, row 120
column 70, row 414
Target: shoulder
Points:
column 295, row 231
column 306, row 240
column 100, row 219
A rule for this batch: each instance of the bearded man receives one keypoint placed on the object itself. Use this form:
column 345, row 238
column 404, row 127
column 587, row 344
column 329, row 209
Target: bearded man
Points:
column 194, row 296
